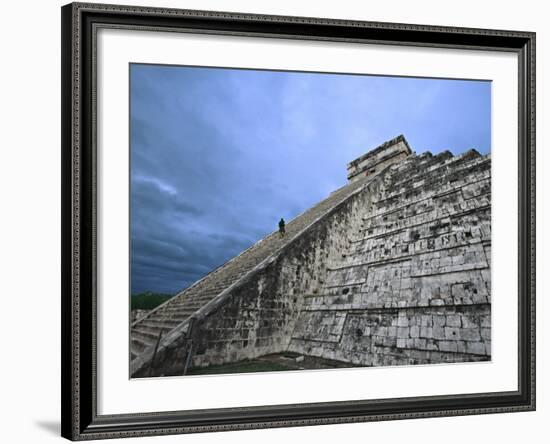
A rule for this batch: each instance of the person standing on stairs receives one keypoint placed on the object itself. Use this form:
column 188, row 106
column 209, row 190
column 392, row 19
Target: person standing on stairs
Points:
column 282, row 227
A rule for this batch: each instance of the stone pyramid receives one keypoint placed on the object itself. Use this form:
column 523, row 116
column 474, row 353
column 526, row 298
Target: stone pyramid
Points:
column 391, row 269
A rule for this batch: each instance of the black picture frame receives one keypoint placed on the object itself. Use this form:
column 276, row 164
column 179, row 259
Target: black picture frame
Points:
column 79, row 395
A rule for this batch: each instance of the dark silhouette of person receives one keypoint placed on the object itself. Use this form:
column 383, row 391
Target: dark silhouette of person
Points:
column 282, row 227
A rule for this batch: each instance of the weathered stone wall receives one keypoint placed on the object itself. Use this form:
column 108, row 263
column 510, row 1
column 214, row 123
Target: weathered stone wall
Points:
column 414, row 287
column 397, row 273
column 258, row 317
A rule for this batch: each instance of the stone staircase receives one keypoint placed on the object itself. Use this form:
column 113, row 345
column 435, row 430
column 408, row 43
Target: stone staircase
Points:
column 177, row 311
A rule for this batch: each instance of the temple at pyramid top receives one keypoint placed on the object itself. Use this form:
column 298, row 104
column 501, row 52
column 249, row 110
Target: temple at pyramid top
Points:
column 380, row 157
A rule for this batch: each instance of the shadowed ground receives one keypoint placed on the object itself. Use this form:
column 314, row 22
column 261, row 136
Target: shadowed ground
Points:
column 272, row 363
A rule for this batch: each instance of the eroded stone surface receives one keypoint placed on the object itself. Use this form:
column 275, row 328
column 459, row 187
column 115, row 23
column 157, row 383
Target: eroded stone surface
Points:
column 393, row 268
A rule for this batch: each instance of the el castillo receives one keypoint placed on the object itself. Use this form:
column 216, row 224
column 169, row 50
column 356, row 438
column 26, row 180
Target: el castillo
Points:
column 391, row 269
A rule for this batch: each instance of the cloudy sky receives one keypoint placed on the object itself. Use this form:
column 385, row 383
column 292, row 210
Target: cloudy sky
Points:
column 218, row 156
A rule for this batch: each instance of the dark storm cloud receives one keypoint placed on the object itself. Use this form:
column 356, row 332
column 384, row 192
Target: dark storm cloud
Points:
column 218, row 156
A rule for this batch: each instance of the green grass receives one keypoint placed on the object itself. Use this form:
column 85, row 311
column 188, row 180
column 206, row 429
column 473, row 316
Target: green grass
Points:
column 239, row 367
column 148, row 300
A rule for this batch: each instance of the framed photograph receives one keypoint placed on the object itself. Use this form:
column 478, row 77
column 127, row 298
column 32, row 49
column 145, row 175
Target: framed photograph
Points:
column 275, row 221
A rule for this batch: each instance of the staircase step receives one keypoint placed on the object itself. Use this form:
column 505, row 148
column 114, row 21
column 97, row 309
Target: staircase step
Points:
column 168, row 324
column 138, row 345
column 145, row 334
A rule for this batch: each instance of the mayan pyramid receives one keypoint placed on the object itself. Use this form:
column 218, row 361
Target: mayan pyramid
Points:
column 391, row 269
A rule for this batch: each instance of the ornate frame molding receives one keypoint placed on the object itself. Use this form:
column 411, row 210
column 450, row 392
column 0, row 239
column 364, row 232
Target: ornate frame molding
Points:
column 80, row 22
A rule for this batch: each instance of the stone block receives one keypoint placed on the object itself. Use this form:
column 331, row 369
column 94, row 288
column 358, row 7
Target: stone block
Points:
column 457, row 291
column 439, row 320
column 470, row 334
column 402, row 321
column 448, row 346
column 426, row 332
column 439, row 333
column 476, row 348
column 452, row 333
column 453, row 320
column 426, row 320
column 458, row 261
column 403, row 332
column 479, row 298
column 420, row 343
column 469, row 322
column 445, row 262
column 485, row 334
column 470, row 258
